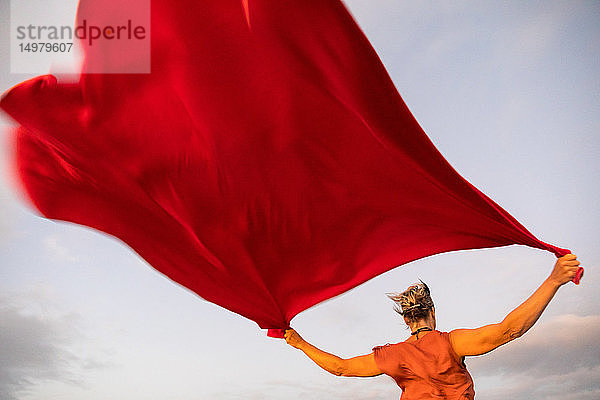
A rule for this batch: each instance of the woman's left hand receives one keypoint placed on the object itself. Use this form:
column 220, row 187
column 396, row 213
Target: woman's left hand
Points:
column 293, row 338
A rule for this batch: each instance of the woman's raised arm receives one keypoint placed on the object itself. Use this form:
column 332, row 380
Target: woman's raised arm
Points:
column 361, row 366
column 473, row 342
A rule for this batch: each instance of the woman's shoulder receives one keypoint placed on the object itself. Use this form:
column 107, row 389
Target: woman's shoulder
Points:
column 442, row 334
column 389, row 347
column 445, row 336
column 386, row 346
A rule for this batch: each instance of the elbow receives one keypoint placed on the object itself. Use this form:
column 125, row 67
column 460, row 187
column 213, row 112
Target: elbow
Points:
column 512, row 333
column 339, row 369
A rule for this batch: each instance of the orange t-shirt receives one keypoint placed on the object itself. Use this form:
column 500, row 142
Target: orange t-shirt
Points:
column 427, row 368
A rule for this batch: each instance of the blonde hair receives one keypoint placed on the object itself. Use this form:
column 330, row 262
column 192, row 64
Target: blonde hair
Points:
column 414, row 303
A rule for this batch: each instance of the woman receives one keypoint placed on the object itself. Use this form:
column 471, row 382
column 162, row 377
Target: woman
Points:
column 430, row 364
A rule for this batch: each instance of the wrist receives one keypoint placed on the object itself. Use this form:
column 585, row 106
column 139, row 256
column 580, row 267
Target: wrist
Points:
column 301, row 345
column 555, row 283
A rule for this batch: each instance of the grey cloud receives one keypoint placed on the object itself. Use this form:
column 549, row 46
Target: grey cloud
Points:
column 558, row 359
column 581, row 384
column 327, row 388
column 36, row 346
column 556, row 347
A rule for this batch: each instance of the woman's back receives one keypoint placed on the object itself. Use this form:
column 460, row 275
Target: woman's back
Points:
column 426, row 368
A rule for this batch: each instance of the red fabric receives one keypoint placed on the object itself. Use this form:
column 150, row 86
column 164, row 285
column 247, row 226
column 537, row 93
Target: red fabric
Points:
column 426, row 368
column 267, row 163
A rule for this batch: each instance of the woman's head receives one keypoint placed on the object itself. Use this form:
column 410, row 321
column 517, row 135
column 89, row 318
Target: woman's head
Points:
column 414, row 304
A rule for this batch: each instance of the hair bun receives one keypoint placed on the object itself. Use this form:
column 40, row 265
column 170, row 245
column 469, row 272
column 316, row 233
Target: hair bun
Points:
column 414, row 303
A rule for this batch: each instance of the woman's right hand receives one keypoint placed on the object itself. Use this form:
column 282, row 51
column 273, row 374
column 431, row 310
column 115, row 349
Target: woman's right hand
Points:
column 293, row 338
column 565, row 269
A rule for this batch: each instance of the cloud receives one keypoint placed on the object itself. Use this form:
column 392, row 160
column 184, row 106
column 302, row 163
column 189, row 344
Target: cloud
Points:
column 325, row 388
column 557, row 358
column 37, row 344
column 57, row 250
column 581, row 384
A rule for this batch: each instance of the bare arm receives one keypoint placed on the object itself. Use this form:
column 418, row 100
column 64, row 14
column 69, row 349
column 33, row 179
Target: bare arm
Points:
column 362, row 366
column 472, row 342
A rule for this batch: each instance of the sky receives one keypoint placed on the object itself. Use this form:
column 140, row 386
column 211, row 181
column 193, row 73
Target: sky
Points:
column 509, row 92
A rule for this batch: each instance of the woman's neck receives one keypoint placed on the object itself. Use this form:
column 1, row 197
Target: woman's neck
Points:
column 421, row 324
column 419, row 330
column 425, row 325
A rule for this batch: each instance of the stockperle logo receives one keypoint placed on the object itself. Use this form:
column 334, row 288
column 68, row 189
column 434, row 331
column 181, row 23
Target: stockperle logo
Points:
column 70, row 36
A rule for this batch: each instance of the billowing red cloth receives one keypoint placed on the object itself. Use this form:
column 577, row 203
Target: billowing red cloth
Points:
column 267, row 163
column 427, row 368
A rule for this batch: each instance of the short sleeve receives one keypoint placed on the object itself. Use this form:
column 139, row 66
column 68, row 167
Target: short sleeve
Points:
column 387, row 358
